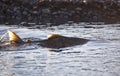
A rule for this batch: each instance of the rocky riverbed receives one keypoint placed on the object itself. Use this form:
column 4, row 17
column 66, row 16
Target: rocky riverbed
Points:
column 58, row 12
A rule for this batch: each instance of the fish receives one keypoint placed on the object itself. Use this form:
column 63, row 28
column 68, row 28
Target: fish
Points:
column 58, row 41
column 52, row 41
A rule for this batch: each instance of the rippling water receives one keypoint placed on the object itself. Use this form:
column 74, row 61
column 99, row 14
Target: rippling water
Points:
column 98, row 57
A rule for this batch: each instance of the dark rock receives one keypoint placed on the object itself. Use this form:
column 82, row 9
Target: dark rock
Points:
column 58, row 12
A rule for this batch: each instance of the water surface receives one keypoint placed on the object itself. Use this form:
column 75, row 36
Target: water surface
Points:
column 98, row 57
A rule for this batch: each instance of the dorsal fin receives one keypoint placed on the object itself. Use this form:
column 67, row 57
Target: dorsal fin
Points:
column 13, row 37
column 52, row 36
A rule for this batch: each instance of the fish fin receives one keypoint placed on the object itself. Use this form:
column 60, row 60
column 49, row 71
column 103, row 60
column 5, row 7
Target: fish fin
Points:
column 52, row 36
column 13, row 37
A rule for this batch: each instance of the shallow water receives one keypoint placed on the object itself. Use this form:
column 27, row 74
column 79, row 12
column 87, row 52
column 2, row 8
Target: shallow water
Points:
column 98, row 57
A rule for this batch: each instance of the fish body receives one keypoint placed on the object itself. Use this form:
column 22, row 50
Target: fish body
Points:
column 53, row 41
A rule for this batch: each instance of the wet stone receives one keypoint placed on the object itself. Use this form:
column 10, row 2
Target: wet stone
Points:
column 77, row 11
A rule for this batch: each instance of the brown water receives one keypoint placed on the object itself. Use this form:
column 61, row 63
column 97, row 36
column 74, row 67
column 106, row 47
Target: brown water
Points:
column 98, row 57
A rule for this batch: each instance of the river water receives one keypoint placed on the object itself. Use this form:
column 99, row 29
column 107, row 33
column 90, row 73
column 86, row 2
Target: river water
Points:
column 98, row 57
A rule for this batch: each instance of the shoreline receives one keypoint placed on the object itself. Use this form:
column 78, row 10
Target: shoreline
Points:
column 16, row 12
